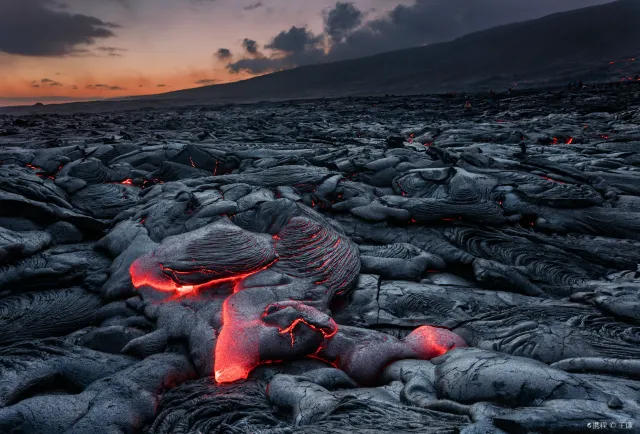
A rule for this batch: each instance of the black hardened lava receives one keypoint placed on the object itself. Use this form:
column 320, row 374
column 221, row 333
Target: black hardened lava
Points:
column 375, row 265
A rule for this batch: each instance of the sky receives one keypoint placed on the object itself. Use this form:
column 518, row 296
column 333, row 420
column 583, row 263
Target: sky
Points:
column 66, row 50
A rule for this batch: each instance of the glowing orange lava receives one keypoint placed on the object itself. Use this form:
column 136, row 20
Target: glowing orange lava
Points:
column 237, row 350
column 293, row 325
column 142, row 276
column 245, row 326
column 237, row 347
column 429, row 342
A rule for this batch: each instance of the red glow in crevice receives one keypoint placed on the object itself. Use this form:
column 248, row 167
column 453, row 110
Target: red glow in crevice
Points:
column 127, row 181
column 43, row 174
column 162, row 282
column 550, row 179
column 335, row 363
column 401, row 190
column 290, row 329
column 192, row 163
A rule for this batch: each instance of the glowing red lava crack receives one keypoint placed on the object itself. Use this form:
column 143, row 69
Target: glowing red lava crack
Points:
column 141, row 277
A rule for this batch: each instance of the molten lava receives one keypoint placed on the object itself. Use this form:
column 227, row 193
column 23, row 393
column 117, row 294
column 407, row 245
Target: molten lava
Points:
column 237, row 347
column 290, row 329
column 429, row 342
column 237, row 350
column 141, row 276
column 257, row 331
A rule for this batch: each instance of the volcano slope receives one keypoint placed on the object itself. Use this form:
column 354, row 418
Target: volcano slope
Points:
column 324, row 266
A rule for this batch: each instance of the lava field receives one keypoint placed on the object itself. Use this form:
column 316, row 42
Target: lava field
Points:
column 369, row 265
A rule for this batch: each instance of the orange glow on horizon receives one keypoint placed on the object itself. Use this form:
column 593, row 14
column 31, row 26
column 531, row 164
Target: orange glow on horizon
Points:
column 105, row 86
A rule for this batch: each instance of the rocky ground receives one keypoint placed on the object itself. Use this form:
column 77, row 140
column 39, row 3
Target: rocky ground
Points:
column 351, row 265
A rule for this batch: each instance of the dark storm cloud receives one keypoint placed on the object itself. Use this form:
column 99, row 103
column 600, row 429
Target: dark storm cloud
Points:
column 294, row 47
column 258, row 65
column 223, row 53
column 424, row 22
column 294, row 40
column 40, row 28
column 341, row 20
column 250, row 46
column 253, row 6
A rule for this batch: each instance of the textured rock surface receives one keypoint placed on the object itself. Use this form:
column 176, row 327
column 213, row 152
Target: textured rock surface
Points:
column 355, row 265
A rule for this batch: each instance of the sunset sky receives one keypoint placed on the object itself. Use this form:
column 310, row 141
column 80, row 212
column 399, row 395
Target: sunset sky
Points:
column 65, row 50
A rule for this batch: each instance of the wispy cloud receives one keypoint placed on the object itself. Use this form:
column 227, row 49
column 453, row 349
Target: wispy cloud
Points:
column 46, row 82
column 103, row 87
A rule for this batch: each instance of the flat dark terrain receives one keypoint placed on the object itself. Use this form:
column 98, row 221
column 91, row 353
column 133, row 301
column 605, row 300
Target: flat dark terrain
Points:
column 364, row 264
